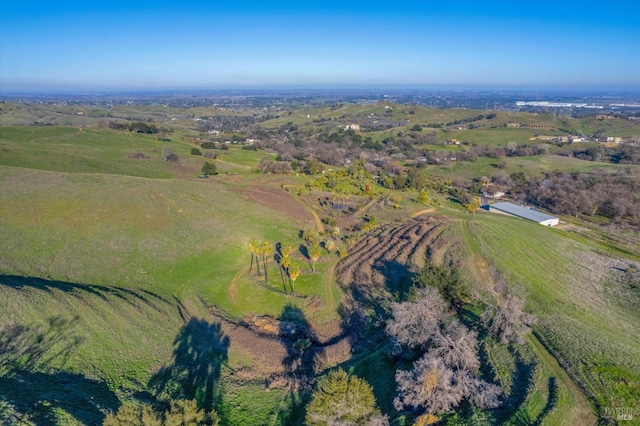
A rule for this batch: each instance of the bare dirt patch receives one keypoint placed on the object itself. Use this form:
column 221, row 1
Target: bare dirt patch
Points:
column 268, row 341
column 276, row 199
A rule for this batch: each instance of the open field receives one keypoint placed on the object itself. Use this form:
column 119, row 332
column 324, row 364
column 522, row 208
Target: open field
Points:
column 532, row 166
column 572, row 289
column 138, row 260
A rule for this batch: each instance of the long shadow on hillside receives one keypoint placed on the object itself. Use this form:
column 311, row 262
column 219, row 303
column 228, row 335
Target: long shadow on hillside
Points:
column 38, row 394
column 552, row 401
column 26, row 353
column 363, row 321
column 304, row 353
column 76, row 289
column 398, row 278
column 303, row 347
column 521, row 382
column 200, row 350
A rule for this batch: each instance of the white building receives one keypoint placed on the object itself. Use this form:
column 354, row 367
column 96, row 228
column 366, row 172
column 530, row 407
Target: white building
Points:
column 524, row 213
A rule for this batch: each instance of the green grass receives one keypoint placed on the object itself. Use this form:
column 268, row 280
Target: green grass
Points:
column 177, row 240
column 579, row 321
column 118, row 243
column 73, row 150
column 532, row 166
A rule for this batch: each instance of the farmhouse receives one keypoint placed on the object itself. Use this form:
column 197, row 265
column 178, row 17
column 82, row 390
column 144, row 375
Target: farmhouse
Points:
column 524, row 213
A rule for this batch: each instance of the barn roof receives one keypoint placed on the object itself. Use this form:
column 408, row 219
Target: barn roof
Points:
column 522, row 212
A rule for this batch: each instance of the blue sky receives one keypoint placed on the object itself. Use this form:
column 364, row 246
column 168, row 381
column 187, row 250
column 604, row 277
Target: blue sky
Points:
column 87, row 45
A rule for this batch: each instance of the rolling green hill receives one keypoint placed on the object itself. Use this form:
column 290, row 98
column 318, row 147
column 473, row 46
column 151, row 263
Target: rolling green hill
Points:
column 116, row 270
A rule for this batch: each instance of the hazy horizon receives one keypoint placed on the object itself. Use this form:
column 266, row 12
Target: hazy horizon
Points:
column 125, row 46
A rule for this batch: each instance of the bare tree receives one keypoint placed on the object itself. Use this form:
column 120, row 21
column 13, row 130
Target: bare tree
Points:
column 430, row 385
column 416, row 323
column 434, row 387
column 446, row 374
column 168, row 155
column 457, row 346
column 509, row 321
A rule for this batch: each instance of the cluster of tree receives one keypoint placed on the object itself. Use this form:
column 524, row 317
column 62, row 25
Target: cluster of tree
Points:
column 471, row 119
column 624, row 154
column 429, row 138
column 182, row 412
column 312, row 240
column 214, row 145
column 446, row 372
column 226, row 123
column 414, row 179
column 260, row 250
column 466, row 197
column 267, row 165
column 290, row 268
column 138, row 127
column 615, row 196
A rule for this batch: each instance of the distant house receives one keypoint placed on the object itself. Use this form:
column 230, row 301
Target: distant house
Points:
column 492, row 194
column 524, row 213
column 352, row 127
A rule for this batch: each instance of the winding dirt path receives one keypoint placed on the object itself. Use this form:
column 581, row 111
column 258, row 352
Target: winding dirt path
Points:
column 233, row 286
column 421, row 212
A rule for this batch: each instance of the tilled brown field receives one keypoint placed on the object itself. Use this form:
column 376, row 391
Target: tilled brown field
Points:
column 382, row 255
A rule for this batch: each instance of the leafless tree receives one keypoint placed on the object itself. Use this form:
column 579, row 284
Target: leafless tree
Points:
column 168, row 155
column 509, row 321
column 430, row 386
column 417, row 323
column 458, row 347
column 434, row 387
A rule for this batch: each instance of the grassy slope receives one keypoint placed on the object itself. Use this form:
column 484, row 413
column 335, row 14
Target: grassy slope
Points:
column 188, row 239
column 536, row 165
column 172, row 238
column 581, row 321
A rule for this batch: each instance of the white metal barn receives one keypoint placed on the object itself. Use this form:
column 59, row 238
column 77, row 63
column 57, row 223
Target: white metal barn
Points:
column 524, row 213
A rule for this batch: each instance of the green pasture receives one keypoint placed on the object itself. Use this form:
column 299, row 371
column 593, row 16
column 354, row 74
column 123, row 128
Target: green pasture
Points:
column 127, row 250
column 77, row 150
column 569, row 286
column 532, row 166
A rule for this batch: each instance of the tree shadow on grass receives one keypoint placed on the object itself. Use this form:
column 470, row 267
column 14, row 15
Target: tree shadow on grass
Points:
column 398, row 278
column 304, row 354
column 39, row 394
column 552, row 401
column 304, row 349
column 200, row 350
column 75, row 289
column 32, row 388
column 521, row 383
